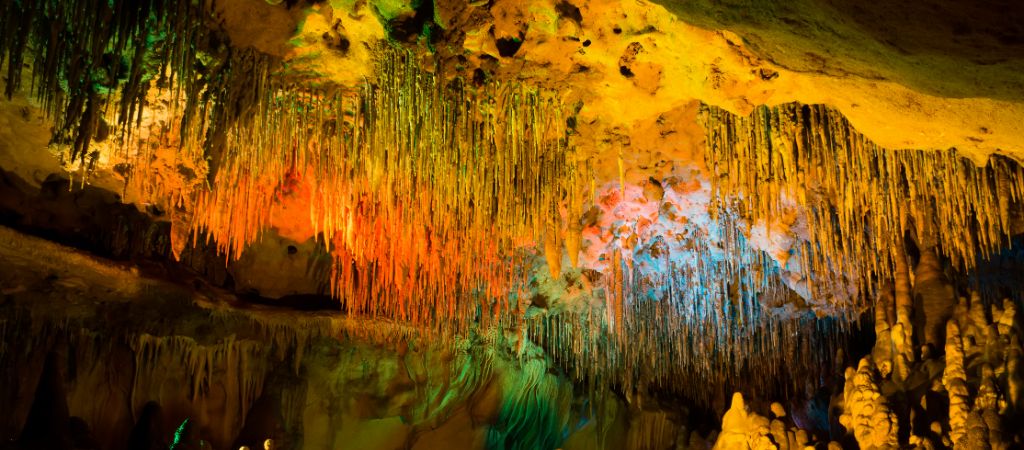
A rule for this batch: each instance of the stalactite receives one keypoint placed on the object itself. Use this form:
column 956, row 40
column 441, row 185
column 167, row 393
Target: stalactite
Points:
column 239, row 361
column 704, row 332
column 573, row 234
column 88, row 55
column 617, row 289
column 858, row 198
column 553, row 252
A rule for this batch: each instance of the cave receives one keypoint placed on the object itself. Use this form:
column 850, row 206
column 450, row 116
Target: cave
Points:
column 511, row 224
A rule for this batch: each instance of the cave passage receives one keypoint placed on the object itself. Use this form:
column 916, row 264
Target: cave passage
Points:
column 505, row 224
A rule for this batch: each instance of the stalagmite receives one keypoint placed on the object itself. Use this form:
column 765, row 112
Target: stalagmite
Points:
column 866, row 404
column 987, row 404
column 1013, row 353
column 975, row 434
column 976, row 328
column 865, row 412
column 902, row 331
column 1015, row 373
column 882, row 352
column 954, row 378
column 743, row 429
column 1007, row 321
column 936, row 300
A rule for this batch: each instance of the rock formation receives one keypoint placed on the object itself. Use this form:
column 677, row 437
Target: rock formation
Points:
column 523, row 224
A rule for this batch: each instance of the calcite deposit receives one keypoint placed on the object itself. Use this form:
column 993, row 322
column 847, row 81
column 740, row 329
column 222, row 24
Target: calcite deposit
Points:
column 511, row 224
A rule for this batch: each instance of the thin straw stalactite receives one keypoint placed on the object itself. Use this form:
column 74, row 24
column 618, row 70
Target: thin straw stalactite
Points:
column 82, row 51
column 710, row 321
column 424, row 190
column 859, row 199
column 702, row 327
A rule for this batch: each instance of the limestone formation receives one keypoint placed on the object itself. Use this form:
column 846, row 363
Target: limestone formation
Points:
column 511, row 224
column 954, row 378
column 743, row 429
column 978, row 399
column 866, row 412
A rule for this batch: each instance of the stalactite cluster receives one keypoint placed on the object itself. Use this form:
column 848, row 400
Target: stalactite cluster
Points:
column 718, row 294
column 433, row 197
column 94, row 58
column 422, row 189
column 703, row 317
column 425, row 190
column 859, row 199
column 238, row 365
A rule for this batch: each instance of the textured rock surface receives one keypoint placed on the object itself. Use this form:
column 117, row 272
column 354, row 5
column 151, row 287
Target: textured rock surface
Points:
column 961, row 384
column 512, row 224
